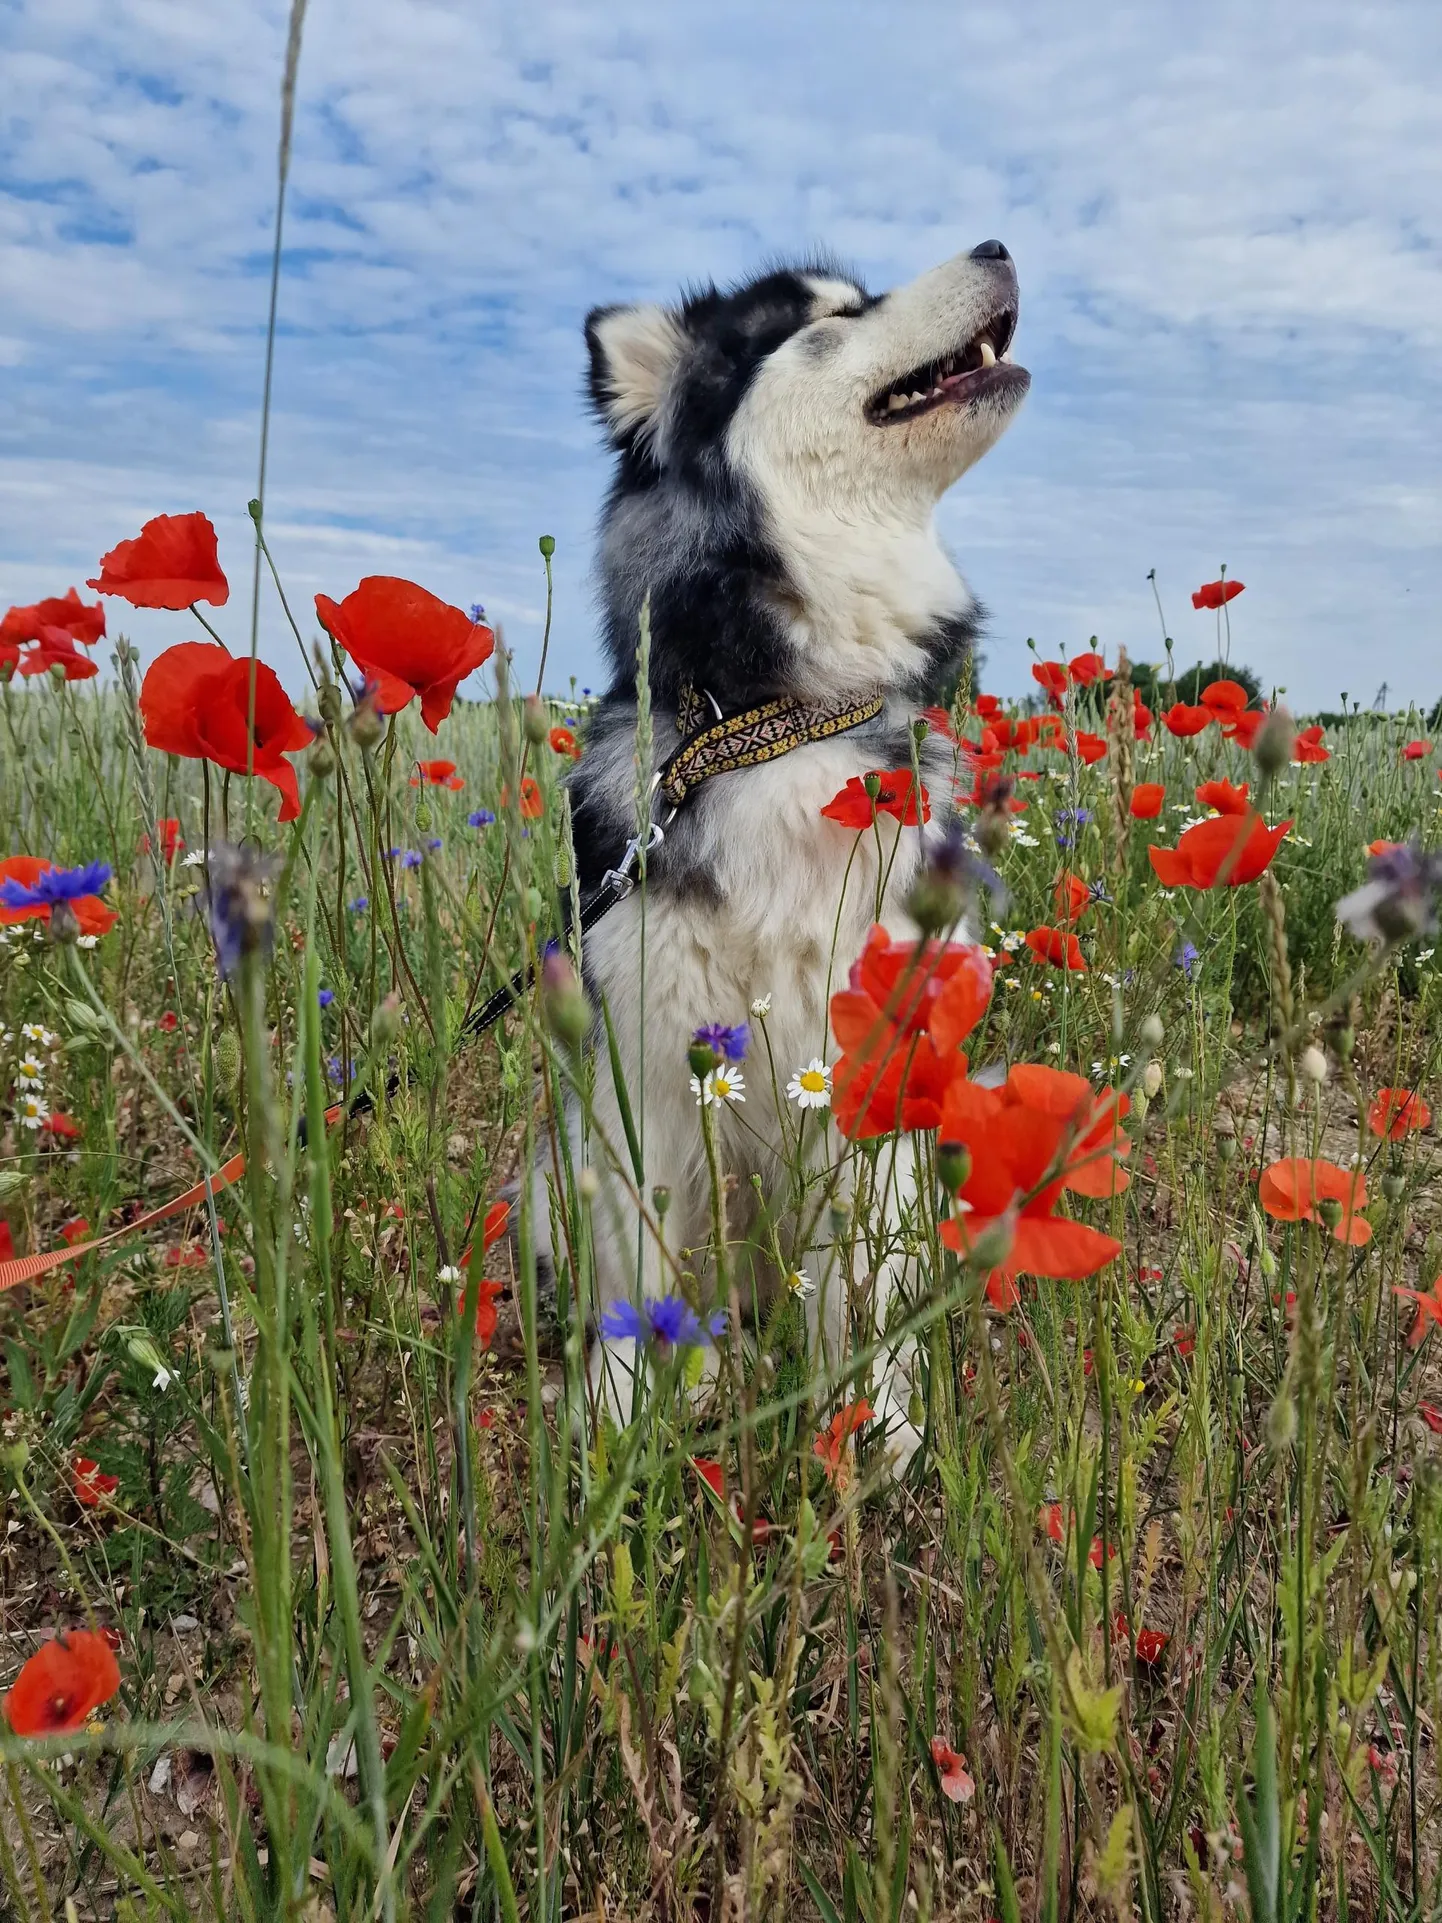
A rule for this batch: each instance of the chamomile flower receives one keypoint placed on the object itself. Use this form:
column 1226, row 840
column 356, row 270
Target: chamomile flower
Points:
column 195, row 859
column 800, row 1283
column 31, row 1071
column 724, row 1084
column 1110, row 1066
column 87, row 941
column 31, row 1112
column 35, row 1032
column 810, row 1087
column 761, row 1007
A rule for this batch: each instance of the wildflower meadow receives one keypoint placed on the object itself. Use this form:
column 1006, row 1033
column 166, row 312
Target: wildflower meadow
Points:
column 329, row 1587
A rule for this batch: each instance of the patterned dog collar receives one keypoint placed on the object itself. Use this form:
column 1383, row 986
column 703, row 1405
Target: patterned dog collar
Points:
column 754, row 736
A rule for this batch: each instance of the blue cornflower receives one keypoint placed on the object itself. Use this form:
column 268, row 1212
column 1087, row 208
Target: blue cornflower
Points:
column 482, row 818
column 727, row 1044
column 409, row 858
column 433, row 842
column 339, row 1072
column 393, row 854
column 1097, row 891
column 325, row 997
column 478, row 614
column 359, row 905
column 571, row 721
column 54, row 885
column 240, row 907
column 1187, row 959
column 1069, row 822
column 669, row 1321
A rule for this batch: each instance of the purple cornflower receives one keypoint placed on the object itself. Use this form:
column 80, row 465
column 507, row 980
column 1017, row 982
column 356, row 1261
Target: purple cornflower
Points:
column 482, row 818
column 325, row 997
column 1187, row 959
column 1097, row 891
column 242, row 915
column 359, row 905
column 726, row 1044
column 478, row 614
column 433, row 842
column 1398, row 900
column 409, row 858
column 54, row 885
column 669, row 1321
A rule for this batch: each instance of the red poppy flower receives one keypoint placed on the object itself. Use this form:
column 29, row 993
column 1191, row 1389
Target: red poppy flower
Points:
column 1231, row 848
column 168, row 1022
column 55, row 649
column 1041, row 1133
column 833, row 1446
column 498, row 1220
column 533, row 804
column 1087, row 668
column 171, row 563
column 854, row 808
column 1212, row 594
column 985, row 706
column 1091, row 747
column 1395, row 1112
column 1147, row 799
column 940, row 722
column 951, row 1768
column 1245, row 728
column 1058, row 946
column 171, row 839
column 7, row 1242
column 1416, row 750
column 1054, row 1526
column 1293, row 1189
column 1182, row 720
column 1382, row 847
column 437, row 774
column 563, row 742
column 1072, row 897
column 1224, row 699
column 900, row 1021
column 82, row 623
column 63, row 1684
column 712, row 1474
column 1226, row 797
column 186, row 1255
column 1141, row 717
column 1053, row 677
column 196, row 701
column 408, row 641
column 1307, row 746
column 1429, row 1309
column 91, row 1484
column 486, row 1317
column 1151, row 1643
column 63, row 1127
column 77, row 1229
column 90, row 911
column 1432, row 1416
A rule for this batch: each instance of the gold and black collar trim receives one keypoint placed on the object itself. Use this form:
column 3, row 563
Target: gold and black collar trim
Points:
column 754, row 736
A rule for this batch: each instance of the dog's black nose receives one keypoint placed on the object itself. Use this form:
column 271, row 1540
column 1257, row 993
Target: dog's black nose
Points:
column 990, row 250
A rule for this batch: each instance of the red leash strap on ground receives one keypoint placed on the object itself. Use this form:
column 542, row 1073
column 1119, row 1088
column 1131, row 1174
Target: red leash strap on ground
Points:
column 29, row 1268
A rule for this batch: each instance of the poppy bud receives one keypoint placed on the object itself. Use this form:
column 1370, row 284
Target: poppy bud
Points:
column 1313, row 1064
column 535, row 721
column 328, row 701
column 1330, row 1210
column 588, row 1184
column 764, row 1375
column 321, row 760
column 1282, row 1422
column 916, row 1409
column 386, row 1022
column 1153, row 1033
column 702, row 1057
column 1392, row 1187
column 993, row 1246
column 1273, row 747
column 423, row 818
column 533, row 903
column 660, row 1201
column 547, row 545
column 366, row 724
column 64, row 928
column 1152, row 1077
column 953, row 1165
column 1266, row 1261
column 563, row 1000
column 840, row 1216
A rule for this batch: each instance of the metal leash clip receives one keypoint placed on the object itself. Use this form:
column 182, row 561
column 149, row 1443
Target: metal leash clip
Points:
column 620, row 878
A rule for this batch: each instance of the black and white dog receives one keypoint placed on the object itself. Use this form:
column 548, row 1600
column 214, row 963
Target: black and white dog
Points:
column 780, row 450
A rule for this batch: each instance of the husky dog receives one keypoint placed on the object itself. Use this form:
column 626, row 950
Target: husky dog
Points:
column 780, row 450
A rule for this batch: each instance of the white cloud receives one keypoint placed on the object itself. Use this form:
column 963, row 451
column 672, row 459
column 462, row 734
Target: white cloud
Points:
column 1227, row 231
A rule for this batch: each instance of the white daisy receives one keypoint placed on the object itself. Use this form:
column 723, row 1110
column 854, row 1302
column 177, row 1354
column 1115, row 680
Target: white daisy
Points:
column 31, row 1112
column 723, row 1084
column 41, row 1036
column 761, row 1007
column 31, row 1071
column 450, row 1273
column 195, row 859
column 87, row 941
column 800, row 1283
column 810, row 1087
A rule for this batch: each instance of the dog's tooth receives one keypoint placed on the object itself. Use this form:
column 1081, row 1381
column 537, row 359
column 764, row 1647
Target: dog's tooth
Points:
column 917, row 397
column 988, row 352
column 895, row 401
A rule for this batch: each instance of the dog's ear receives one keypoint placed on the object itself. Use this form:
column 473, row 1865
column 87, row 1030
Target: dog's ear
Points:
column 634, row 353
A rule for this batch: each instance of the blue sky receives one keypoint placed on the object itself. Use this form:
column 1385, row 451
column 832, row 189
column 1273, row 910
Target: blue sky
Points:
column 1226, row 222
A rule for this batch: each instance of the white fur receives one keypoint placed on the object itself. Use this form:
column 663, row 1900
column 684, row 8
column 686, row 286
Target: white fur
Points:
column 643, row 347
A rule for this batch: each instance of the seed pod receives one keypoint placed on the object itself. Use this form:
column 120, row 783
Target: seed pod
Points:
column 953, row 1165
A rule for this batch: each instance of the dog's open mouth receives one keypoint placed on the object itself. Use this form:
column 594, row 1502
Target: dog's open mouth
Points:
column 960, row 376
